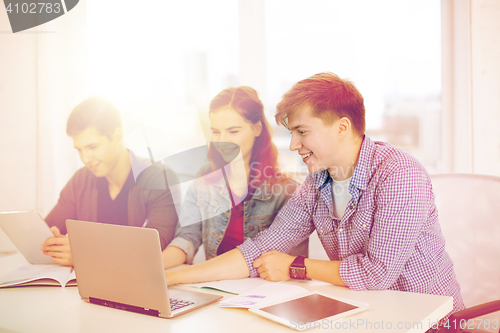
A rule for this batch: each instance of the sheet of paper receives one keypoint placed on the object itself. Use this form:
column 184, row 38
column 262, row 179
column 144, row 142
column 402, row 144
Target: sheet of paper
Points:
column 236, row 286
column 263, row 294
column 72, row 278
column 318, row 283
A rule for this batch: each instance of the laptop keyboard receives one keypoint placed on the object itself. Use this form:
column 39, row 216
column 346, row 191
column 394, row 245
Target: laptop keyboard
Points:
column 176, row 304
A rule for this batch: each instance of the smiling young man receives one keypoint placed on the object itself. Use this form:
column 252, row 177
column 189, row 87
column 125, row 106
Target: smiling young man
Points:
column 371, row 203
column 105, row 190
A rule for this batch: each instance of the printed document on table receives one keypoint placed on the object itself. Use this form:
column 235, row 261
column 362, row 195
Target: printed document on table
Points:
column 263, row 294
column 236, row 286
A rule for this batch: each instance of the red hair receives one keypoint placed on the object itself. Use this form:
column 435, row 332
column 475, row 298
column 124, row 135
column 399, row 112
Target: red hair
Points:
column 246, row 102
column 330, row 98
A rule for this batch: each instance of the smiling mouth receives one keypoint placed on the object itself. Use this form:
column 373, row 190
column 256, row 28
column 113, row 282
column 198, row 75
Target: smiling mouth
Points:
column 228, row 151
column 305, row 156
column 93, row 167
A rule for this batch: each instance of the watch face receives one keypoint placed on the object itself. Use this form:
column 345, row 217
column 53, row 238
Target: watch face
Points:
column 298, row 273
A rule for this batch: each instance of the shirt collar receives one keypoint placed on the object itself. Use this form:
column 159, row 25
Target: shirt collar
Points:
column 361, row 175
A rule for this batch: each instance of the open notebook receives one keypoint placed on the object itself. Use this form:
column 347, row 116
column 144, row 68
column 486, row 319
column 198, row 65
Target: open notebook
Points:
column 40, row 275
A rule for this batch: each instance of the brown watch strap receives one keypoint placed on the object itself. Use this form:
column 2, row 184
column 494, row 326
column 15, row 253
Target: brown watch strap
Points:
column 299, row 262
column 298, row 269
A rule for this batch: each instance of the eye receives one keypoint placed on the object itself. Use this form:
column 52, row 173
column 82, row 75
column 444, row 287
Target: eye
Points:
column 215, row 132
column 93, row 146
column 302, row 132
column 233, row 132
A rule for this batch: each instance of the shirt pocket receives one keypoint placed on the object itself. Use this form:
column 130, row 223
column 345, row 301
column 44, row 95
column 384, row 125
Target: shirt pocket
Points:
column 360, row 231
column 325, row 226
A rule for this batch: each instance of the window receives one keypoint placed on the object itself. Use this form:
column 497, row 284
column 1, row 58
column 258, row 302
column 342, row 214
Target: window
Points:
column 391, row 50
column 162, row 55
column 182, row 53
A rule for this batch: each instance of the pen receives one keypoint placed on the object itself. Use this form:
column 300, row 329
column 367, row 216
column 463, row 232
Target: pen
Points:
column 145, row 223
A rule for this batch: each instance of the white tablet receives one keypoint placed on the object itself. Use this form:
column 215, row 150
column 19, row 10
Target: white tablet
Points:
column 28, row 231
column 310, row 311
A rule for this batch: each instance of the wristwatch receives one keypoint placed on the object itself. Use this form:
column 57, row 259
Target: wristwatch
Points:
column 298, row 269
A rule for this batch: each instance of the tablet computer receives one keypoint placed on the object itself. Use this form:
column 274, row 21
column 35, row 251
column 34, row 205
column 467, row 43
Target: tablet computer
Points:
column 309, row 311
column 28, row 231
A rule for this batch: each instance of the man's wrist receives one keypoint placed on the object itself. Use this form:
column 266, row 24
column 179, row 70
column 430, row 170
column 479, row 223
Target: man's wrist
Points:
column 297, row 270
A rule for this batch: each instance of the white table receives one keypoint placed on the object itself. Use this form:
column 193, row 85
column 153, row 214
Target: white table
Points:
column 55, row 309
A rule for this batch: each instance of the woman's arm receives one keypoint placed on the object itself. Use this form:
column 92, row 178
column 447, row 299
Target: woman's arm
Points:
column 230, row 265
column 188, row 234
column 173, row 256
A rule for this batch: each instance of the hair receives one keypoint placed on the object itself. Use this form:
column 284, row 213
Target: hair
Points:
column 329, row 97
column 246, row 102
column 94, row 112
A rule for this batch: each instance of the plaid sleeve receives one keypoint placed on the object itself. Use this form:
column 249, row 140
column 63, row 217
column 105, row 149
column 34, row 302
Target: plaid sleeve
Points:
column 291, row 226
column 402, row 203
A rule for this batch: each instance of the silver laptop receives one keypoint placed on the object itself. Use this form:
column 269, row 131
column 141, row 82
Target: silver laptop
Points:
column 121, row 267
column 28, row 231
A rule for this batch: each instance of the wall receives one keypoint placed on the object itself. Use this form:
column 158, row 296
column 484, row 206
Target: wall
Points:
column 485, row 54
column 18, row 118
column 471, row 86
column 43, row 76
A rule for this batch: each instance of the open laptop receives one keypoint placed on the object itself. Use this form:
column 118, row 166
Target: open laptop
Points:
column 121, row 267
column 28, row 231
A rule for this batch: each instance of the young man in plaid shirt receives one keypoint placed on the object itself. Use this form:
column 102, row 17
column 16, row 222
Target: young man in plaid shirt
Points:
column 371, row 203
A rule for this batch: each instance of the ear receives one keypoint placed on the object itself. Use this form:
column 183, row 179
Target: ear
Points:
column 344, row 126
column 257, row 128
column 118, row 135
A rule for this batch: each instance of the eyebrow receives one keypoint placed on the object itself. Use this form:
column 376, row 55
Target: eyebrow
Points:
column 227, row 129
column 298, row 126
column 90, row 144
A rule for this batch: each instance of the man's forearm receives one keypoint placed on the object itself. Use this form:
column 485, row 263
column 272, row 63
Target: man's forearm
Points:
column 230, row 265
column 323, row 270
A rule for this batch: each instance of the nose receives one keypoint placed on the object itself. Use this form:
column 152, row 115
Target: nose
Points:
column 223, row 137
column 86, row 157
column 295, row 143
column 224, row 140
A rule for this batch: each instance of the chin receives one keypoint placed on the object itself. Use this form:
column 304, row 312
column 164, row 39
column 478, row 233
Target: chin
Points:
column 98, row 173
column 227, row 158
column 314, row 169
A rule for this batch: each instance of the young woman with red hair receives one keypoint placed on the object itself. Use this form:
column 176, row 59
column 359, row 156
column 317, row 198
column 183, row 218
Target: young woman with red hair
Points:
column 240, row 191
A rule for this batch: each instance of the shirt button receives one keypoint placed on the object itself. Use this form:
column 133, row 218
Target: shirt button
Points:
column 364, row 225
column 341, row 229
column 351, row 207
column 250, row 228
column 321, row 231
